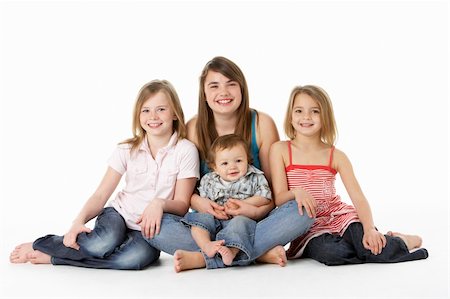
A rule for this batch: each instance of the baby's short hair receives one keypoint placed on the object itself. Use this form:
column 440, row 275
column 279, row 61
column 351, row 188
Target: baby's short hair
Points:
column 226, row 142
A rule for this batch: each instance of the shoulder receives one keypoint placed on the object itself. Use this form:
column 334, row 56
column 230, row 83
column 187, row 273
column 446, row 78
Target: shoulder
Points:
column 264, row 120
column 279, row 147
column 185, row 145
column 191, row 131
column 340, row 159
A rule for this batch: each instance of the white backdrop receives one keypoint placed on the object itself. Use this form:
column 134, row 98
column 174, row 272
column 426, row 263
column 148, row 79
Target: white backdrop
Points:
column 70, row 72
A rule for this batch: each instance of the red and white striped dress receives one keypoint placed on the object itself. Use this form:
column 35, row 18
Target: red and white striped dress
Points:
column 332, row 216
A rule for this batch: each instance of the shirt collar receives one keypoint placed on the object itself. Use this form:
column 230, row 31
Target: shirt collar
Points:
column 172, row 141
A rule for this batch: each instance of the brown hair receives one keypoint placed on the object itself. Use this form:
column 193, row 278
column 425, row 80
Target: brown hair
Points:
column 148, row 90
column 227, row 142
column 205, row 127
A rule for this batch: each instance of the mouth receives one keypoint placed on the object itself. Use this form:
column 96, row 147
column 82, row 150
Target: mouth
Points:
column 233, row 173
column 224, row 101
column 304, row 125
column 154, row 125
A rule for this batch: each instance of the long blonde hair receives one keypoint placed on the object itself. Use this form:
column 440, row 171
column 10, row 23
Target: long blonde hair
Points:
column 148, row 90
column 205, row 127
column 328, row 132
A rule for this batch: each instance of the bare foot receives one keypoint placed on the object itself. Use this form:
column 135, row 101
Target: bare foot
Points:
column 211, row 248
column 276, row 255
column 187, row 260
column 38, row 257
column 19, row 254
column 228, row 254
column 411, row 241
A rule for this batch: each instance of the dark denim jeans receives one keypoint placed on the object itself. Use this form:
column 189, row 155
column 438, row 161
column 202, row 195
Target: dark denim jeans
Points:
column 110, row 245
column 333, row 250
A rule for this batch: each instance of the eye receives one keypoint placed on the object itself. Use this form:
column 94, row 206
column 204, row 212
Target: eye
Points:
column 298, row 111
column 161, row 109
column 145, row 110
column 213, row 86
column 233, row 84
column 239, row 161
column 224, row 164
column 316, row 111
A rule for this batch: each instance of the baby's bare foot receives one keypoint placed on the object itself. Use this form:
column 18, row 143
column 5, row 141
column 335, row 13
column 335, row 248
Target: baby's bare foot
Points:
column 411, row 241
column 19, row 254
column 276, row 255
column 211, row 248
column 228, row 254
column 38, row 257
column 186, row 260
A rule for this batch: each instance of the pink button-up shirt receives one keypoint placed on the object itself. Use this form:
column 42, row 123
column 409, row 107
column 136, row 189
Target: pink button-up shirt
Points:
column 148, row 178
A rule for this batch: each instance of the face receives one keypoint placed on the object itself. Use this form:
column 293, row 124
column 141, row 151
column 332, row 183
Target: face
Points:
column 222, row 94
column 231, row 164
column 156, row 116
column 306, row 116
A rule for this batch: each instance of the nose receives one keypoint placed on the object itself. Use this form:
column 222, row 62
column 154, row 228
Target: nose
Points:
column 223, row 90
column 153, row 114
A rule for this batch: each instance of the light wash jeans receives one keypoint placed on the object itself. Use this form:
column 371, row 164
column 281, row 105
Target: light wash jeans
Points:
column 238, row 232
column 110, row 245
column 281, row 226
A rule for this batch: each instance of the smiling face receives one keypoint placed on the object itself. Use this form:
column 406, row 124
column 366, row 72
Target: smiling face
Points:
column 223, row 95
column 231, row 164
column 306, row 116
column 157, row 116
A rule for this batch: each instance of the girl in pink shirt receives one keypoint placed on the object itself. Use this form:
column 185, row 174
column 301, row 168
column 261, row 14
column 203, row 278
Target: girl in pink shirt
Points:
column 161, row 170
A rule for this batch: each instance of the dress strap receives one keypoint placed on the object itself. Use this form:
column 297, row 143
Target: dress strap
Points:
column 290, row 152
column 331, row 156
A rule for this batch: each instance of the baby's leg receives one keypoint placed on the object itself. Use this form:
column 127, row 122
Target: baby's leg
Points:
column 203, row 240
column 228, row 254
column 19, row 254
column 276, row 255
column 187, row 260
column 411, row 241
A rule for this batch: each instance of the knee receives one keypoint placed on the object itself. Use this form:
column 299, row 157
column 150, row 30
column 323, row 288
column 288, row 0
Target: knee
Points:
column 138, row 259
column 93, row 245
column 241, row 221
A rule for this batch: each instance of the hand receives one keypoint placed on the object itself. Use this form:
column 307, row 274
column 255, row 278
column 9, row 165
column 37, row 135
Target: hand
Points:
column 236, row 207
column 374, row 241
column 204, row 205
column 150, row 220
column 70, row 238
column 304, row 199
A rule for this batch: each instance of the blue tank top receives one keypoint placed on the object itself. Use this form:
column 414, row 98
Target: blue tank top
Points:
column 254, row 150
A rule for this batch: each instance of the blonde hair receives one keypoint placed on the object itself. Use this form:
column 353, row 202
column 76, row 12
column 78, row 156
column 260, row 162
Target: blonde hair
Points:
column 227, row 142
column 205, row 127
column 148, row 90
column 328, row 132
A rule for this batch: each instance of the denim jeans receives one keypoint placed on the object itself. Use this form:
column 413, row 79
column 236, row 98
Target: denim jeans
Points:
column 238, row 232
column 110, row 245
column 332, row 250
column 281, row 226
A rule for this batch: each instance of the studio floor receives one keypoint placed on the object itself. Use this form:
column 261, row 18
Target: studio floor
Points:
column 300, row 279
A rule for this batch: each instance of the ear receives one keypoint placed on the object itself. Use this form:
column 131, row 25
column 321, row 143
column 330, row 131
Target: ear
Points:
column 175, row 117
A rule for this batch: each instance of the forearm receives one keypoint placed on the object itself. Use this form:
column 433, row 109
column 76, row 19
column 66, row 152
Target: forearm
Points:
column 177, row 207
column 283, row 197
column 91, row 209
column 257, row 201
column 364, row 214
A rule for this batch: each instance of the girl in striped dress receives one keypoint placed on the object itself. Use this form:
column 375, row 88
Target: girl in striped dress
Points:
column 305, row 167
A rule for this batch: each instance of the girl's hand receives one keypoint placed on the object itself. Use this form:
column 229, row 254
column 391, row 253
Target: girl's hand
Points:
column 304, row 199
column 70, row 238
column 150, row 220
column 374, row 241
column 204, row 205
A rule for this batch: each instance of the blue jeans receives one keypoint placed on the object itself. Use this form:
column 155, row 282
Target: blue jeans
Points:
column 238, row 232
column 110, row 245
column 281, row 226
column 333, row 250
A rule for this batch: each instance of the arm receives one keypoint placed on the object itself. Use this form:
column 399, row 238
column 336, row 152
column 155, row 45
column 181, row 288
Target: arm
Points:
column 257, row 201
column 267, row 134
column 92, row 207
column 150, row 220
column 278, row 160
column 235, row 207
column 373, row 240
